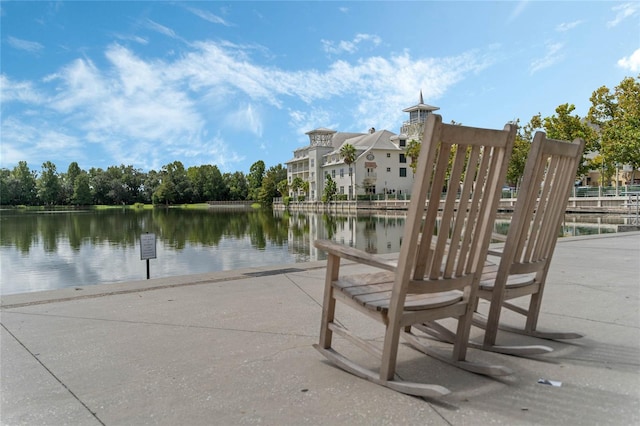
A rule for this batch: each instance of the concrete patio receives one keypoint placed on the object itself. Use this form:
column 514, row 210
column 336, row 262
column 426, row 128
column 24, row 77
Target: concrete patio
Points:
column 235, row 347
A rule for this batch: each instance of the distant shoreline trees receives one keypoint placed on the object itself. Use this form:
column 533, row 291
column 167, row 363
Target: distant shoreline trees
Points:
column 126, row 185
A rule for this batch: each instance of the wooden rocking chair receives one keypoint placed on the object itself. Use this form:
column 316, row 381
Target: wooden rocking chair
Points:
column 525, row 258
column 461, row 169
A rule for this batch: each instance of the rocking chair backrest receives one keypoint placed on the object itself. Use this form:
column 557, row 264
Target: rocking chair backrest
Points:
column 459, row 178
column 550, row 174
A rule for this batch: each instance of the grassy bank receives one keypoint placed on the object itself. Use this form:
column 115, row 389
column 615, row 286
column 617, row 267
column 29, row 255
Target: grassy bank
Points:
column 136, row 206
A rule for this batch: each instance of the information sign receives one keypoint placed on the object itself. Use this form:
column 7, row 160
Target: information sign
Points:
column 147, row 246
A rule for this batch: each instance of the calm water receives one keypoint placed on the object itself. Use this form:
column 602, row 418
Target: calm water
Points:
column 49, row 250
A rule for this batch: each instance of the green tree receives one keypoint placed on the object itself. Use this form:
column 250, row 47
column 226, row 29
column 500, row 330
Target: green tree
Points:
column 117, row 193
column 81, row 190
column 48, row 184
column 283, row 187
column 518, row 160
column 150, row 185
column 174, row 185
column 413, row 152
column 68, row 181
column 99, row 183
column 237, row 187
column 8, row 188
column 256, row 174
column 24, row 182
column 296, row 185
column 520, row 152
column 330, row 189
column 270, row 182
column 132, row 180
column 348, row 155
column 565, row 126
column 207, row 183
column 617, row 116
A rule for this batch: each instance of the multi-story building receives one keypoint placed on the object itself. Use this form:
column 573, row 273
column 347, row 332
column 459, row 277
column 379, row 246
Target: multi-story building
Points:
column 381, row 165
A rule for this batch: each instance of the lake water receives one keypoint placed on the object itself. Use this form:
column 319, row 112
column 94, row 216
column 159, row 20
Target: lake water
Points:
column 50, row 250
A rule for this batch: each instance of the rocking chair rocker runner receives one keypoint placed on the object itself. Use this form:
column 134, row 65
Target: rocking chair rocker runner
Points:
column 524, row 261
column 444, row 247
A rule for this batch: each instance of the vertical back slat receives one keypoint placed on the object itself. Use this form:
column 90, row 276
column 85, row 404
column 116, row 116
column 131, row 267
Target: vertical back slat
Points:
column 465, row 199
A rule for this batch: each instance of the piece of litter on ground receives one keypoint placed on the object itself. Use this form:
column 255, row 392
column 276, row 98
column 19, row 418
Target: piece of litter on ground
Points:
column 550, row 382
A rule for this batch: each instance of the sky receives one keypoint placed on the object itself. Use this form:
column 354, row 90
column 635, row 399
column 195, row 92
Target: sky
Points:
column 147, row 83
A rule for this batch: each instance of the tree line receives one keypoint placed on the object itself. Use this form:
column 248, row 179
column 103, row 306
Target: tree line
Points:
column 125, row 185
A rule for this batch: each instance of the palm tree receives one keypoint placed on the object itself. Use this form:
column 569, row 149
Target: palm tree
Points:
column 296, row 185
column 348, row 154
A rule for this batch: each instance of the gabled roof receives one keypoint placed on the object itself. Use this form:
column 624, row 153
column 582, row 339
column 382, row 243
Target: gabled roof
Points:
column 339, row 138
column 362, row 142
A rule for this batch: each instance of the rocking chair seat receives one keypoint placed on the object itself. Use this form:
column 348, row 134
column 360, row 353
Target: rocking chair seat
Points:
column 373, row 291
column 514, row 281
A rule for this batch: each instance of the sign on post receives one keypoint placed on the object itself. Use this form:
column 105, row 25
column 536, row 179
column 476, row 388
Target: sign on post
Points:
column 147, row 248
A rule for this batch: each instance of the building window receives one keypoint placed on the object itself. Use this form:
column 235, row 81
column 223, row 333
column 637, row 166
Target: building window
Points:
column 403, row 158
column 403, row 172
column 403, row 143
column 333, row 173
column 312, row 162
column 388, row 169
column 350, row 171
column 388, row 155
column 341, row 172
column 342, row 190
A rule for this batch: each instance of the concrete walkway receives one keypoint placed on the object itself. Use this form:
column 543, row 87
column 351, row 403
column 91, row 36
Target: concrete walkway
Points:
column 235, row 348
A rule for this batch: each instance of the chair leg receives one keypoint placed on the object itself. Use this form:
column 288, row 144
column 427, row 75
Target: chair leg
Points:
column 481, row 321
column 390, row 351
column 532, row 315
column 329, row 303
column 462, row 333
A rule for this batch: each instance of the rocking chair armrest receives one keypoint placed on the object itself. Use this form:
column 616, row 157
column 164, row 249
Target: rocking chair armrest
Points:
column 355, row 255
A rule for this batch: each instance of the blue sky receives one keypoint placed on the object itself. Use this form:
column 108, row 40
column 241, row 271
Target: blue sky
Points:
column 230, row 83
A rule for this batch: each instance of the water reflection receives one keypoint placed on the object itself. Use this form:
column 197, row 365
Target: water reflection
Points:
column 47, row 250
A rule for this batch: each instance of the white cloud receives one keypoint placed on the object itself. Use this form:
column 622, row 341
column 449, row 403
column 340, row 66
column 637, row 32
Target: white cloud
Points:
column 134, row 38
column 140, row 111
column 566, row 26
column 29, row 46
column 349, row 46
column 131, row 109
column 223, row 73
column 246, row 119
column 40, row 141
column 18, row 91
column 631, row 62
column 552, row 56
column 623, row 11
column 308, row 119
column 208, row 16
column 152, row 25
column 83, row 85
